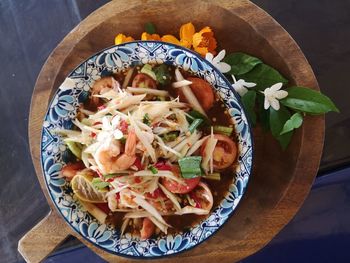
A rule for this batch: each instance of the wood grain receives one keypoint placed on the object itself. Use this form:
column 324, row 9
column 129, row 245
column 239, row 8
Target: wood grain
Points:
column 51, row 226
column 280, row 180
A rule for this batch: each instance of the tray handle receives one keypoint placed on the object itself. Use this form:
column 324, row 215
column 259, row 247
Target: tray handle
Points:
column 43, row 238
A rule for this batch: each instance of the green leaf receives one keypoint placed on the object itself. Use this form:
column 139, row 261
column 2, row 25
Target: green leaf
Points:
column 99, row 184
column 264, row 115
column 248, row 101
column 264, row 76
column 190, row 167
column 162, row 74
column 146, row 120
column 308, row 100
column 241, row 63
column 277, row 121
column 150, row 28
column 293, row 123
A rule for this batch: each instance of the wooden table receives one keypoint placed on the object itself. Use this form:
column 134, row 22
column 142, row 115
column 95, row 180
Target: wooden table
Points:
column 280, row 180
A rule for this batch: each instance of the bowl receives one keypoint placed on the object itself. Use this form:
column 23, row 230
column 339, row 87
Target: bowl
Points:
column 63, row 108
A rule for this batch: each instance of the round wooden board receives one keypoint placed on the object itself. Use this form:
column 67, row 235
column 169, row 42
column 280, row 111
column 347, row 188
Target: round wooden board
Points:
column 280, row 180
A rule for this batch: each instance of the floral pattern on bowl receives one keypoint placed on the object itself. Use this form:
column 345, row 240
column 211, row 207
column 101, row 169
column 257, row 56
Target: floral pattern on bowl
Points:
column 63, row 108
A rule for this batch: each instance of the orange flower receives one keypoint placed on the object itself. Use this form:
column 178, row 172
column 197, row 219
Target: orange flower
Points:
column 121, row 38
column 186, row 34
column 146, row 36
column 204, row 41
column 170, row 39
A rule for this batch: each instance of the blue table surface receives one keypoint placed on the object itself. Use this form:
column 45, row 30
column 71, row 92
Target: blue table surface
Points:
column 31, row 29
column 320, row 231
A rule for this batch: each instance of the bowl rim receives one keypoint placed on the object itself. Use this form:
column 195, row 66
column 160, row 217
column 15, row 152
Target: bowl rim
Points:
column 239, row 102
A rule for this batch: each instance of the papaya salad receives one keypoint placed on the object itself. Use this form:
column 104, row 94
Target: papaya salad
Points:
column 154, row 150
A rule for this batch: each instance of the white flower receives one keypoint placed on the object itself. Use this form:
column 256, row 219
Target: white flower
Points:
column 216, row 61
column 272, row 95
column 241, row 85
column 109, row 129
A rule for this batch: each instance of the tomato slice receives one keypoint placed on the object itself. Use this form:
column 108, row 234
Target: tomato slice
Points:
column 225, row 151
column 203, row 92
column 71, row 169
column 163, row 166
column 144, row 81
column 178, row 188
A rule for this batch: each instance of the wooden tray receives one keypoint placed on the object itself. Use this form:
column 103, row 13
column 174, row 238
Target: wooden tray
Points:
column 280, row 181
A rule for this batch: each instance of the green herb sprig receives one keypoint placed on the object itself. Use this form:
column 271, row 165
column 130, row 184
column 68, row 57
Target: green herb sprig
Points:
column 299, row 102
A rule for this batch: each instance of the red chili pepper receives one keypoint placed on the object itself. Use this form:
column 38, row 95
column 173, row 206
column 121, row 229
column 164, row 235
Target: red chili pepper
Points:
column 101, row 107
column 163, row 166
column 103, row 206
column 137, row 180
column 93, row 135
column 138, row 164
column 97, row 122
column 123, row 126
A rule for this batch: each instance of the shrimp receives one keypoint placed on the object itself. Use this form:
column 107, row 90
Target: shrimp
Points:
column 110, row 159
column 147, row 229
column 102, row 86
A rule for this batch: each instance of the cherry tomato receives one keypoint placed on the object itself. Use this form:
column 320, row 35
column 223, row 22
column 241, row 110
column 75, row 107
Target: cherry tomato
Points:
column 144, row 81
column 71, row 169
column 147, row 229
column 203, row 92
column 178, row 188
column 225, row 151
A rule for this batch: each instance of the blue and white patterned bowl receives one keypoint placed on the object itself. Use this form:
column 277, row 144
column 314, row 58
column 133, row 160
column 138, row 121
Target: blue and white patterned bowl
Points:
column 64, row 107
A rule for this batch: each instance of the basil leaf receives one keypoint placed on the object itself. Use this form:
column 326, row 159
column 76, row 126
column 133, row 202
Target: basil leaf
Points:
column 264, row 76
column 241, row 63
column 293, row 123
column 248, row 101
column 308, row 100
column 98, row 183
column 190, row 167
column 277, row 120
column 150, row 28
